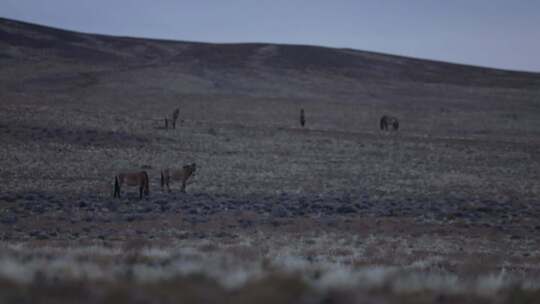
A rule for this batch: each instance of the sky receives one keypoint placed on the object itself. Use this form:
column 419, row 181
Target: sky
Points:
column 493, row 33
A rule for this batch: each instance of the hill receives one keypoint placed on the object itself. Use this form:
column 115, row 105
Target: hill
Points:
column 41, row 63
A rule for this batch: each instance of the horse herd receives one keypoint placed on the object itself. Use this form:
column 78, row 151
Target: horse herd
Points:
column 141, row 180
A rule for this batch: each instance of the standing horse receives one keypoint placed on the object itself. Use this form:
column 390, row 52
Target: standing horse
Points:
column 302, row 117
column 389, row 120
column 132, row 179
column 168, row 175
column 175, row 116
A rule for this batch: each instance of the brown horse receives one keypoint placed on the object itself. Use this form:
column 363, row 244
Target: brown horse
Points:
column 132, row 179
column 168, row 175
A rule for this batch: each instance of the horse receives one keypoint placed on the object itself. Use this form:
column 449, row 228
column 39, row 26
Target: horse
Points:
column 132, row 179
column 389, row 120
column 175, row 116
column 168, row 175
column 302, row 117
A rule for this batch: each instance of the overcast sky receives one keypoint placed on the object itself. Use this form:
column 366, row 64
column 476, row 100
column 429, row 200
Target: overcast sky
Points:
column 495, row 33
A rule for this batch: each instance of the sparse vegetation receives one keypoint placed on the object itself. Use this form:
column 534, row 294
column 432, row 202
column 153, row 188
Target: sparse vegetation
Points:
column 286, row 269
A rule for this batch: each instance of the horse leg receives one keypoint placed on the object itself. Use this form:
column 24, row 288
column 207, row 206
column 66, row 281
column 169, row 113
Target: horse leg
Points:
column 183, row 186
column 116, row 192
column 116, row 187
column 140, row 191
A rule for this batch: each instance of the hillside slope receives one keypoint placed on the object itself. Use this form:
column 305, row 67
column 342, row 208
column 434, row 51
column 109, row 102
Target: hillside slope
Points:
column 46, row 64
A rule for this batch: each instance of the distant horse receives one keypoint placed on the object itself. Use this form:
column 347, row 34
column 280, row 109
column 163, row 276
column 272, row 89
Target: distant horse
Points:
column 389, row 121
column 175, row 116
column 132, row 179
column 169, row 175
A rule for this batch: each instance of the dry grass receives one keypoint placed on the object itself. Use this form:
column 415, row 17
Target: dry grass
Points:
column 250, row 159
column 284, row 268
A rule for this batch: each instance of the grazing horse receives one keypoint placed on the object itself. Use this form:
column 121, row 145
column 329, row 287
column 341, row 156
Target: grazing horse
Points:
column 132, row 179
column 389, row 120
column 168, row 175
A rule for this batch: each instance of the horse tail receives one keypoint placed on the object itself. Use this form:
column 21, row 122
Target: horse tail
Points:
column 116, row 187
column 146, row 182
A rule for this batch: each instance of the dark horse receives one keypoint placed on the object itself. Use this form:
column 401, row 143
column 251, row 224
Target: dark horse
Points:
column 389, row 121
column 132, row 179
column 175, row 116
column 169, row 175
column 302, row 118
